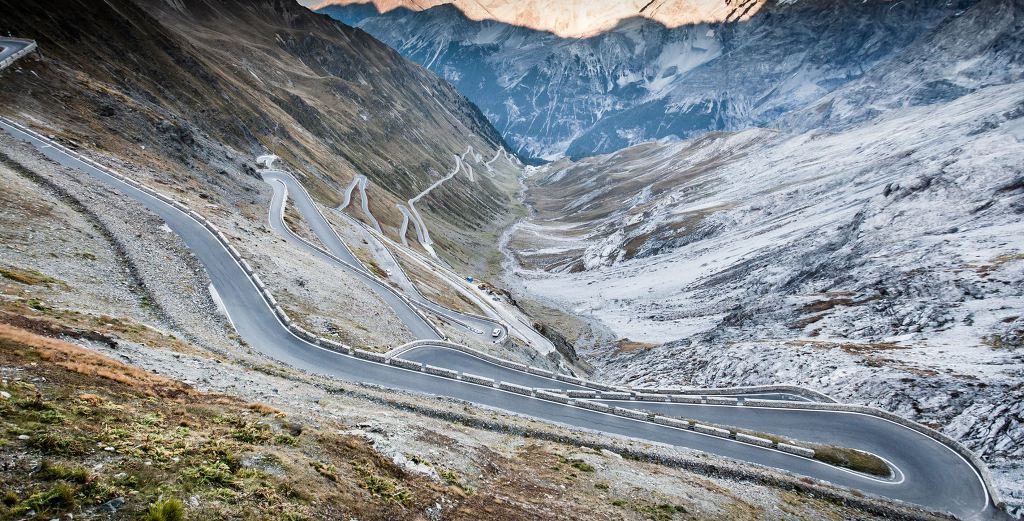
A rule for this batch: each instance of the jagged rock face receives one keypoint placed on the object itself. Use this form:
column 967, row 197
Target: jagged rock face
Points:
column 551, row 96
column 571, row 18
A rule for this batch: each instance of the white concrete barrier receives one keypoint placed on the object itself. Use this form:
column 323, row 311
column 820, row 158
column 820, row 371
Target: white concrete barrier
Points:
column 754, row 440
column 793, row 449
column 714, row 431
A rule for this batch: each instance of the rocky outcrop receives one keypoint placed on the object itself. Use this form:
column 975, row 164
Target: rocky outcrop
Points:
column 642, row 80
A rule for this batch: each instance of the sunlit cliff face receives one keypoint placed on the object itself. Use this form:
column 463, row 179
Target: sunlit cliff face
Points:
column 578, row 18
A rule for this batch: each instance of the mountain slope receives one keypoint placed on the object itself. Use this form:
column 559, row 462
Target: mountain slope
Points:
column 880, row 261
column 551, row 96
column 567, row 18
column 171, row 83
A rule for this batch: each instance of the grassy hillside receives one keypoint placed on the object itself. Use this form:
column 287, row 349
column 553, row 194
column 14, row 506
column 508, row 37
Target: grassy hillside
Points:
column 196, row 89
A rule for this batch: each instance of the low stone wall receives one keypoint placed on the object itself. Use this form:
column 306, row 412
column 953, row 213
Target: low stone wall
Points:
column 651, row 397
column 615, row 395
column 481, row 380
column 685, row 399
column 672, row 422
column 714, row 431
column 554, row 397
column 594, row 406
column 631, row 413
column 440, row 371
column 373, row 357
column 406, row 364
column 793, row 449
column 519, row 389
column 715, row 400
column 754, row 440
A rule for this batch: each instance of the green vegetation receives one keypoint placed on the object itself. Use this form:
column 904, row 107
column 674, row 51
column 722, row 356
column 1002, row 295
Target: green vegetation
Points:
column 216, row 473
column 383, row 487
column 52, row 472
column 852, row 459
column 286, row 439
column 251, row 433
column 28, row 277
column 662, row 512
column 156, row 440
column 167, row 510
column 578, row 464
column 654, row 512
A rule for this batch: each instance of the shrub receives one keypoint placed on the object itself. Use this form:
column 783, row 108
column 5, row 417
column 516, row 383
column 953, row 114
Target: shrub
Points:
column 285, row 439
column 166, row 510
column 250, row 433
column 57, row 444
column 581, row 465
column 59, row 496
column 52, row 472
column 211, row 473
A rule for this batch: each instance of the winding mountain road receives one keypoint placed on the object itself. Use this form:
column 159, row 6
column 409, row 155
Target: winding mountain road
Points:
column 928, row 473
column 13, row 48
column 287, row 188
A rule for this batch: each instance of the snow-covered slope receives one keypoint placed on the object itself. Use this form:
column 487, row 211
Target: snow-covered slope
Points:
column 552, row 96
column 880, row 260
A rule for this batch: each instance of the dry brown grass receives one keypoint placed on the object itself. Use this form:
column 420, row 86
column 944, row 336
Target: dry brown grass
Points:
column 849, row 347
column 626, row 345
column 26, row 276
column 83, row 361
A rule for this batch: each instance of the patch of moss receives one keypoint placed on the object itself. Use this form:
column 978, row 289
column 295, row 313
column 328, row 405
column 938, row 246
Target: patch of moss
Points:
column 28, row 277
